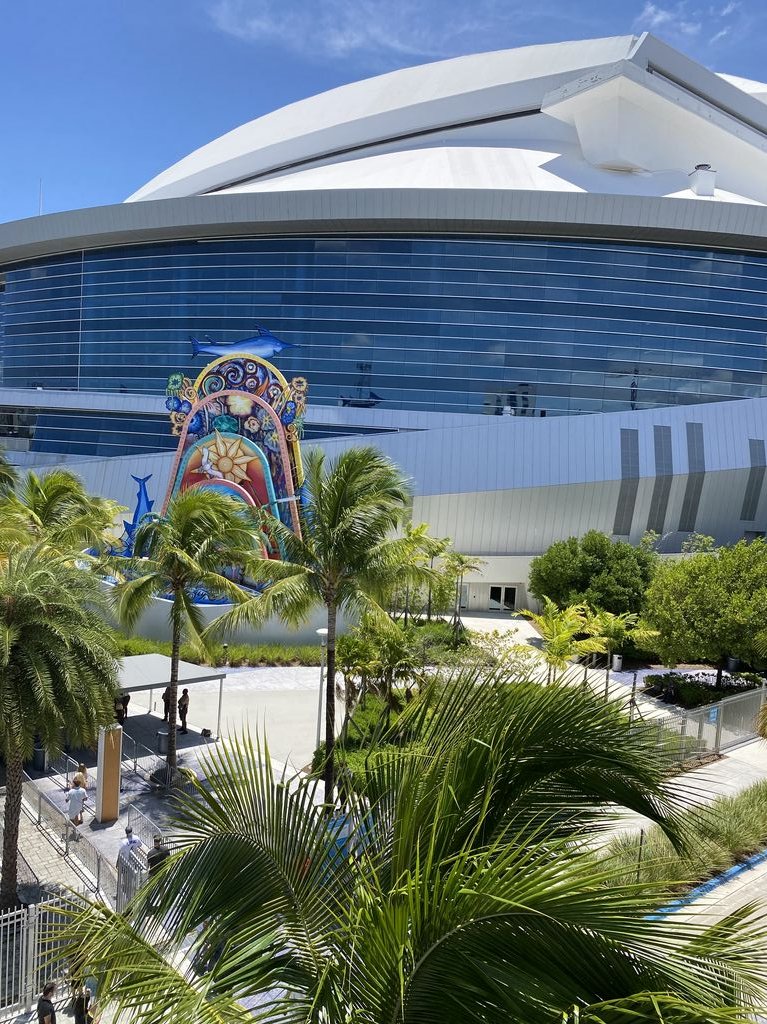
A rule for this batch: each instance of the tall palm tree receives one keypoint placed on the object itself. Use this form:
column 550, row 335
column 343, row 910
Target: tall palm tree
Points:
column 201, row 535
column 615, row 631
column 57, row 508
column 563, row 636
column 347, row 558
column 464, row 890
column 57, row 670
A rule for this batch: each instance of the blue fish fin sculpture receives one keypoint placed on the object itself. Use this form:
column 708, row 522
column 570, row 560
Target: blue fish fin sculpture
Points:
column 144, row 505
column 195, row 346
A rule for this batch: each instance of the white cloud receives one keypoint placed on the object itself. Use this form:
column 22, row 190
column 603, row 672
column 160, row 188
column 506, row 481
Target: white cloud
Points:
column 673, row 20
column 719, row 35
column 395, row 30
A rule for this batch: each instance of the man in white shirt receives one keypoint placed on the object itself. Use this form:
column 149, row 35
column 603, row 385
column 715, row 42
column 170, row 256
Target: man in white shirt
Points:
column 127, row 846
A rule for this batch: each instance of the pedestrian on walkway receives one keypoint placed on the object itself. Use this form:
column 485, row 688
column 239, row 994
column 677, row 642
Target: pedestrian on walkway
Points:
column 127, row 846
column 166, row 704
column 119, row 710
column 126, row 702
column 82, row 770
column 157, row 855
column 76, row 798
column 183, row 710
column 81, row 1004
column 46, row 1011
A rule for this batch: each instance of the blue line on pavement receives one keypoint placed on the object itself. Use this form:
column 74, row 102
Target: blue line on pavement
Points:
column 710, row 885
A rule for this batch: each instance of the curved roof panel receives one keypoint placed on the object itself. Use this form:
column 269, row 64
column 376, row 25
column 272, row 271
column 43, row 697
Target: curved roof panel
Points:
column 413, row 100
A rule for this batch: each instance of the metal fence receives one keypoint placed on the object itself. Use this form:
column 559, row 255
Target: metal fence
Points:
column 99, row 876
column 143, row 827
column 30, row 953
column 140, row 759
column 706, row 731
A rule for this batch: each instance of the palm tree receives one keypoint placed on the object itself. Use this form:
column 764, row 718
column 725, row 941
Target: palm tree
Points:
column 346, row 558
column 57, row 670
column 201, row 535
column 615, row 631
column 465, row 891
column 456, row 566
column 561, row 632
column 8, row 475
column 57, row 508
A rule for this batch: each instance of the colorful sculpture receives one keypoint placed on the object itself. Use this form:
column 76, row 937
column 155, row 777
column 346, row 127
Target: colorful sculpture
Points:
column 239, row 426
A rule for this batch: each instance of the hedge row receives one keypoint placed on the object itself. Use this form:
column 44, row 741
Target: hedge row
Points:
column 238, row 655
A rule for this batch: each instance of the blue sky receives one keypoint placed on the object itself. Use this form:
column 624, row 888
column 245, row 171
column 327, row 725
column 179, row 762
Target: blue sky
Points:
column 99, row 96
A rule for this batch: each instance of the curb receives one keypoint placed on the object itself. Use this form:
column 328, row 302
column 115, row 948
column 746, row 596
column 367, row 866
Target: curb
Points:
column 713, row 883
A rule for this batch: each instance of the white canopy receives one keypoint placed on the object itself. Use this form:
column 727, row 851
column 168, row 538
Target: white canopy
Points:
column 151, row 671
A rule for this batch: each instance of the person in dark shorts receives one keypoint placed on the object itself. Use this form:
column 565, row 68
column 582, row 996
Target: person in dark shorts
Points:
column 157, row 855
column 183, row 710
column 46, row 1011
column 166, row 704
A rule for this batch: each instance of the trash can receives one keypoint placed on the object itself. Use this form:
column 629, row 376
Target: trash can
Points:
column 162, row 741
column 39, row 759
column 617, row 663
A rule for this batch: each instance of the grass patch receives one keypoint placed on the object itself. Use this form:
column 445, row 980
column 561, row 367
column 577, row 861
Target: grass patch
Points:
column 719, row 835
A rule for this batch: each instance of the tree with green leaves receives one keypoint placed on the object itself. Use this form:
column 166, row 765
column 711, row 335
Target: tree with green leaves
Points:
column 615, row 631
column 58, row 672
column 594, row 570
column 348, row 557
column 564, row 635
column 57, row 509
column 201, row 536
column 8, row 475
column 710, row 605
column 461, row 887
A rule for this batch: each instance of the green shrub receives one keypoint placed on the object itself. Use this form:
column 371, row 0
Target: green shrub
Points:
column 237, row 655
column 694, row 691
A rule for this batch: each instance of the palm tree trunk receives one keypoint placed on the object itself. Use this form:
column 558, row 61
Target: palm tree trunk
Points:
column 175, row 657
column 330, row 710
column 14, row 768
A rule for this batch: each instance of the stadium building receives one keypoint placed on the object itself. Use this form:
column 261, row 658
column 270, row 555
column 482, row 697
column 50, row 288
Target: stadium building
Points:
column 536, row 278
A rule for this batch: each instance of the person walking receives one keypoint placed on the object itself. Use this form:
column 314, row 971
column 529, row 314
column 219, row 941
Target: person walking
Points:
column 76, row 798
column 81, row 1004
column 166, row 704
column 157, row 855
column 46, row 1011
column 126, row 701
column 127, row 846
column 183, row 710
column 119, row 710
column 127, row 879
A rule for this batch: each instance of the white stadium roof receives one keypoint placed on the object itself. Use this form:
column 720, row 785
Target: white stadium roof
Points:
column 625, row 116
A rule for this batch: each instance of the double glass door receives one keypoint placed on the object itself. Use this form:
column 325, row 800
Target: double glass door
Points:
column 502, row 599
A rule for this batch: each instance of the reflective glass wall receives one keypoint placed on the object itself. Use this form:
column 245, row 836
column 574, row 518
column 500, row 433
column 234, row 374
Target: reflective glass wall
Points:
column 497, row 326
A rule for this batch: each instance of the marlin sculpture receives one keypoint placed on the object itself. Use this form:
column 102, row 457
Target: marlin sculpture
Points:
column 263, row 344
column 143, row 507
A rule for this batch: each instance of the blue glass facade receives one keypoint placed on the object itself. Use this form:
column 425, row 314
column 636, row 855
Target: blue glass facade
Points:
column 450, row 324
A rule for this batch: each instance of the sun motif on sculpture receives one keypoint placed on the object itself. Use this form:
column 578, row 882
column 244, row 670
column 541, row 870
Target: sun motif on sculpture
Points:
column 226, row 459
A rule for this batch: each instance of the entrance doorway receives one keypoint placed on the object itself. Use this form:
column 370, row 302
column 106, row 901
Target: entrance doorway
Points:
column 502, row 599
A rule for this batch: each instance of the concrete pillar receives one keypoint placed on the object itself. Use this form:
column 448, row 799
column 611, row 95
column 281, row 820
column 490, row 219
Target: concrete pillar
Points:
column 108, row 778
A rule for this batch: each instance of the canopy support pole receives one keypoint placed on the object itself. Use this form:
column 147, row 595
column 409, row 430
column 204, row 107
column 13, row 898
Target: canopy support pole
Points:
column 220, row 699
